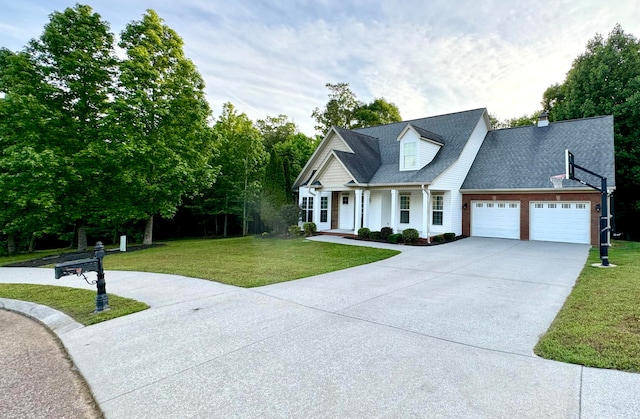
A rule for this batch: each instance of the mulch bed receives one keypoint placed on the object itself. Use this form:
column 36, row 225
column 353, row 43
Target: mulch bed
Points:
column 67, row 256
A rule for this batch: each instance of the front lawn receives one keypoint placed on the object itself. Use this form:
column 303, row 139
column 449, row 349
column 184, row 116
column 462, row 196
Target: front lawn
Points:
column 77, row 303
column 246, row 261
column 599, row 324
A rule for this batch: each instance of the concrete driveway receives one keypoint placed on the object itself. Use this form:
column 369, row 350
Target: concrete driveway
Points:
column 443, row 331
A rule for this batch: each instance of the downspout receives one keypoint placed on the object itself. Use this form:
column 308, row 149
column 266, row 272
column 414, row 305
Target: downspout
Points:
column 426, row 206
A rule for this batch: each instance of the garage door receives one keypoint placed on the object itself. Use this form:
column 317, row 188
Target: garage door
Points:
column 567, row 222
column 495, row 219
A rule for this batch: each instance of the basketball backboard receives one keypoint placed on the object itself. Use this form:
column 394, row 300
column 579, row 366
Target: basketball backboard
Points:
column 569, row 166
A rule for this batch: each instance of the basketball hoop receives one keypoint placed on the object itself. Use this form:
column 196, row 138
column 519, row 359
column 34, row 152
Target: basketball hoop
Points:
column 557, row 180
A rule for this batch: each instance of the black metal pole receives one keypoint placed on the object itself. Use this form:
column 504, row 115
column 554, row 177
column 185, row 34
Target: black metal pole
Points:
column 102, row 299
column 604, row 225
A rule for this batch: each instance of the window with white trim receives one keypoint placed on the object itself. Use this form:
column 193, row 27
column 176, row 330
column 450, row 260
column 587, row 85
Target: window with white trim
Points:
column 345, row 199
column 409, row 155
column 405, row 206
column 437, row 209
column 324, row 208
column 307, row 209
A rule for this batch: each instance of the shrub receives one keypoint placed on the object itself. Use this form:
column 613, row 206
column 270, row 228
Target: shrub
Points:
column 449, row 236
column 309, row 229
column 375, row 236
column 394, row 238
column 410, row 235
column 363, row 233
column 385, row 232
column 294, row 231
column 438, row 239
column 265, row 234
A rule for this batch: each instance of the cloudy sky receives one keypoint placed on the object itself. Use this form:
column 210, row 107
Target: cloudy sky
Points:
column 427, row 56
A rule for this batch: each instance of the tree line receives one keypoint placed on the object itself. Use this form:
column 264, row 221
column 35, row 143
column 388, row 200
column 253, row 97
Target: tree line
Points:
column 96, row 145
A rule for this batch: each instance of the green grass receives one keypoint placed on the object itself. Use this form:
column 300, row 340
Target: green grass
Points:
column 246, row 261
column 77, row 303
column 599, row 324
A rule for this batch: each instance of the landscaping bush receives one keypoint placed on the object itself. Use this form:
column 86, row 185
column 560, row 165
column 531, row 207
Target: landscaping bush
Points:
column 438, row 239
column 310, row 229
column 363, row 233
column 294, row 231
column 385, row 232
column 410, row 235
column 449, row 236
column 375, row 236
column 394, row 238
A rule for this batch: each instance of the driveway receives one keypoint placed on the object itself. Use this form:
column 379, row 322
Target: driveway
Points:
column 443, row 331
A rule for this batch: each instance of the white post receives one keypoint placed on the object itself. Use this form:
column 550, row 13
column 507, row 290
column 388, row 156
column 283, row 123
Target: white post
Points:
column 425, row 212
column 365, row 210
column 394, row 210
column 123, row 243
column 316, row 209
column 358, row 220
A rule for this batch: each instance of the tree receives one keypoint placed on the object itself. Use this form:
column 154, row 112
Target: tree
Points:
column 377, row 112
column 345, row 111
column 605, row 80
column 242, row 158
column 288, row 151
column 74, row 62
column 162, row 122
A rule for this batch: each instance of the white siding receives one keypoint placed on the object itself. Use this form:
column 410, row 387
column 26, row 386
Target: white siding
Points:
column 426, row 151
column 345, row 211
column 334, row 174
column 451, row 179
column 385, row 209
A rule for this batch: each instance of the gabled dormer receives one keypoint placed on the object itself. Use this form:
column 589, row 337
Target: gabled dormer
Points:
column 418, row 147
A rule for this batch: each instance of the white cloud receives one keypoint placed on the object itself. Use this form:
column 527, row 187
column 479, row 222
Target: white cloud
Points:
column 427, row 57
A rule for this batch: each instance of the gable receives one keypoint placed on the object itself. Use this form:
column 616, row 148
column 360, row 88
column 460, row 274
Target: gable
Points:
column 417, row 148
column 333, row 174
column 331, row 142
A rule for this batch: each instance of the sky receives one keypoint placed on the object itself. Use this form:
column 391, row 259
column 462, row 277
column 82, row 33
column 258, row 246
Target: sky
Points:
column 428, row 57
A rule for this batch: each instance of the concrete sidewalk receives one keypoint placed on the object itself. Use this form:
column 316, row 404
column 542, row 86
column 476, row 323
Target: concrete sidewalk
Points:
column 442, row 331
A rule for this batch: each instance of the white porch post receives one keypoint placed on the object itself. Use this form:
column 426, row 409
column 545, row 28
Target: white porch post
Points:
column 426, row 204
column 316, row 208
column 394, row 210
column 358, row 220
column 365, row 209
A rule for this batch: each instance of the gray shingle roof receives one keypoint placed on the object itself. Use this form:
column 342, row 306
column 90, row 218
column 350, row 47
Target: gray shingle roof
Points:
column 428, row 134
column 365, row 159
column 454, row 130
column 525, row 157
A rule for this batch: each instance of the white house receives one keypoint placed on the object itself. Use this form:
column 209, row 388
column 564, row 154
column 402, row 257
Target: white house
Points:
column 453, row 174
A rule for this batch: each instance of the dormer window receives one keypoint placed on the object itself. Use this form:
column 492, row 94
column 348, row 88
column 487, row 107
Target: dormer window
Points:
column 409, row 155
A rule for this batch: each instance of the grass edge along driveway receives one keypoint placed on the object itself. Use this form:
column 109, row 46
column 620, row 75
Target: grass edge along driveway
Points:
column 246, row 261
column 599, row 324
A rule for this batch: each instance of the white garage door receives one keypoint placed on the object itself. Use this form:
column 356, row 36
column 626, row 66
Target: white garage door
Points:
column 495, row 219
column 567, row 222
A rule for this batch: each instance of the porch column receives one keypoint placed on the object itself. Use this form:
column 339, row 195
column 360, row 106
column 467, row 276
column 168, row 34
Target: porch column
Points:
column 358, row 220
column 426, row 204
column 365, row 216
column 394, row 210
column 316, row 208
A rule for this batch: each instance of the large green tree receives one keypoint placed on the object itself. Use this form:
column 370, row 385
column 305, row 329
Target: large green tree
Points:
column 344, row 110
column 605, row 80
column 71, row 79
column 162, row 118
column 242, row 158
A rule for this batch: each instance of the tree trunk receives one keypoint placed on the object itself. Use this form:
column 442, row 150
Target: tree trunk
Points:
column 32, row 243
column 148, row 231
column 11, row 243
column 224, row 229
column 82, row 237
